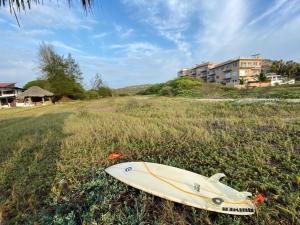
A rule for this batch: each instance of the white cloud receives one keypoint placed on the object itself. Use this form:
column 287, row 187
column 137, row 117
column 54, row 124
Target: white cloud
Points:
column 122, row 31
column 136, row 49
column 17, row 65
column 62, row 45
column 171, row 18
column 37, row 32
column 278, row 4
column 220, row 27
column 228, row 34
column 99, row 35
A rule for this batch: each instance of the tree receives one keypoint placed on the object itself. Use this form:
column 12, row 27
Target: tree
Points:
column 97, row 82
column 278, row 67
column 242, row 81
column 72, row 69
column 291, row 68
column 40, row 83
column 297, row 76
column 99, row 89
column 262, row 77
column 62, row 74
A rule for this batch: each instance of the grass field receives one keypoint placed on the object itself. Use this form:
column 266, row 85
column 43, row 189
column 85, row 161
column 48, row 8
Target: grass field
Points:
column 53, row 158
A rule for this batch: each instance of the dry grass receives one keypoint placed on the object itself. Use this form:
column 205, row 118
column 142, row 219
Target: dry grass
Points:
column 52, row 159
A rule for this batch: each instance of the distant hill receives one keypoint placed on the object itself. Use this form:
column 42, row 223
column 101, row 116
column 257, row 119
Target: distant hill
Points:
column 132, row 90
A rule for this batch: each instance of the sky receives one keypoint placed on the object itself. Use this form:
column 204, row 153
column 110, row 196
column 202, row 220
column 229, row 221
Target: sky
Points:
column 131, row 42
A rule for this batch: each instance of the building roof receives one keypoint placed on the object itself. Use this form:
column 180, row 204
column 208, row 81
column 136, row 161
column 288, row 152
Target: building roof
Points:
column 202, row 64
column 35, row 91
column 3, row 85
column 235, row 60
column 225, row 63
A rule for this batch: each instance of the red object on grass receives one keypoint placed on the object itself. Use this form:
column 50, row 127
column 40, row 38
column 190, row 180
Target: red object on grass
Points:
column 114, row 155
column 258, row 198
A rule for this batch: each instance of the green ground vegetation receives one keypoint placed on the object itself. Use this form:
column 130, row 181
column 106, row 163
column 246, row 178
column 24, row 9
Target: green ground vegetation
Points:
column 192, row 87
column 53, row 158
column 131, row 90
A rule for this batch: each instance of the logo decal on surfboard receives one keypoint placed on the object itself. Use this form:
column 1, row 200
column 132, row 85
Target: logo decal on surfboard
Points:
column 128, row 169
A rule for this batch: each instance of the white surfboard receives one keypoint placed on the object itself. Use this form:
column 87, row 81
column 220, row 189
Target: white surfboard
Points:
column 184, row 187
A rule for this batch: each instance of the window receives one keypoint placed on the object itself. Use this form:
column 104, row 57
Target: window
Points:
column 243, row 64
column 255, row 63
column 8, row 92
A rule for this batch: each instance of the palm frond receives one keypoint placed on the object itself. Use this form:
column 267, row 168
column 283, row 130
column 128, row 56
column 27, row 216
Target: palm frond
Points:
column 23, row 4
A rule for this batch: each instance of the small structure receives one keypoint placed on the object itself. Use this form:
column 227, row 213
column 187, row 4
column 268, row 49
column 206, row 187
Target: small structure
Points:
column 34, row 95
column 278, row 79
column 8, row 94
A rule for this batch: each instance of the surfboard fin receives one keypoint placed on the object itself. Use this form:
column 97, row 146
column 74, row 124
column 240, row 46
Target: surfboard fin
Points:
column 216, row 177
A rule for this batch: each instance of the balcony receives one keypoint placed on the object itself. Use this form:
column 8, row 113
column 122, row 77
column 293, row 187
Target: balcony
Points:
column 7, row 95
column 227, row 69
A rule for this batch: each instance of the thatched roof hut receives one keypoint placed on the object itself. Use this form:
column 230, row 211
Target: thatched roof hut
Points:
column 34, row 95
column 35, row 91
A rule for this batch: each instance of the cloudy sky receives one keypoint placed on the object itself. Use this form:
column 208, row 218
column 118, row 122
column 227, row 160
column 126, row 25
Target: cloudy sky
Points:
column 141, row 41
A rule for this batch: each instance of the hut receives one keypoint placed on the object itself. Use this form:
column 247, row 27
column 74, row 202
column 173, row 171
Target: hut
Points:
column 34, row 95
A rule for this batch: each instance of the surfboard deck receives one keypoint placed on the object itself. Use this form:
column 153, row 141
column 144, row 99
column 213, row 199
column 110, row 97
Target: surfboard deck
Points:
column 184, row 187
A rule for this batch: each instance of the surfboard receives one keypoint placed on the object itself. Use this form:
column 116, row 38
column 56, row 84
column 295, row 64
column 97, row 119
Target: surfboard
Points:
column 184, row 187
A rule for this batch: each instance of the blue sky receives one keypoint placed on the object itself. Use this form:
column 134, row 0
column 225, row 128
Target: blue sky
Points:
column 141, row 41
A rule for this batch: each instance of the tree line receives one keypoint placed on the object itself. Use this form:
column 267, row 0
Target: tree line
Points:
column 62, row 76
column 288, row 69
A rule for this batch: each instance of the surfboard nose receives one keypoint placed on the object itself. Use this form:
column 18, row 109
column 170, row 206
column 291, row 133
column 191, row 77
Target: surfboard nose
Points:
column 120, row 169
column 110, row 170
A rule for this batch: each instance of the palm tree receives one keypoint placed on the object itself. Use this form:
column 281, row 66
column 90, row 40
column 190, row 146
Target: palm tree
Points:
column 278, row 66
column 19, row 5
column 291, row 68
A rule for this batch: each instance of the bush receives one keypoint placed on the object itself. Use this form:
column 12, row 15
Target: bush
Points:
column 91, row 94
column 104, row 92
column 154, row 89
column 186, row 85
column 123, row 94
column 166, row 91
column 101, row 92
